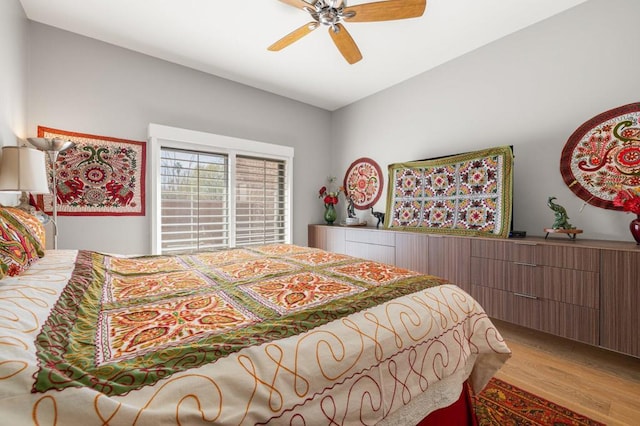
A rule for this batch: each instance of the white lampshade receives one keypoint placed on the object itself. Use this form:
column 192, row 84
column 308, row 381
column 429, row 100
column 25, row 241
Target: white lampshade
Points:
column 23, row 169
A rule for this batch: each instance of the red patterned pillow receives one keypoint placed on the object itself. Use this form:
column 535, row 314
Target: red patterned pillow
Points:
column 17, row 252
column 27, row 224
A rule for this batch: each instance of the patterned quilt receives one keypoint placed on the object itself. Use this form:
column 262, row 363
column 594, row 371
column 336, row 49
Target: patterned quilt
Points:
column 272, row 334
column 465, row 194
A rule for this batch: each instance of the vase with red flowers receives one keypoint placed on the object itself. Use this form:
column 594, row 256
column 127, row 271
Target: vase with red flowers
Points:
column 330, row 199
column 629, row 200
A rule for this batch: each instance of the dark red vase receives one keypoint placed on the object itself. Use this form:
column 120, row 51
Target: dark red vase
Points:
column 634, row 227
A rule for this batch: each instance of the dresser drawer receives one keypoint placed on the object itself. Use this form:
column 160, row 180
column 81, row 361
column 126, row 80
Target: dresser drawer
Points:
column 506, row 250
column 561, row 256
column 371, row 237
column 562, row 319
column 545, row 282
column 377, row 253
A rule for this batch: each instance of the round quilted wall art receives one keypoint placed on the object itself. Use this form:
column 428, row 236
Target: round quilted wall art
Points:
column 603, row 156
column 363, row 182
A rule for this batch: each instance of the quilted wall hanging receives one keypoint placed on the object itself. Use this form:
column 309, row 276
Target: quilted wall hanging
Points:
column 602, row 156
column 465, row 194
column 99, row 176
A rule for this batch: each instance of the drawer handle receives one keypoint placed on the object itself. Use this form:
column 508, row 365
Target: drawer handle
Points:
column 525, row 243
column 525, row 264
column 528, row 296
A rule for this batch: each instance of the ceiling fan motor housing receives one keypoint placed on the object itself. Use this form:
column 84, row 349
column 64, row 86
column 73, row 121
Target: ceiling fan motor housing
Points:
column 330, row 13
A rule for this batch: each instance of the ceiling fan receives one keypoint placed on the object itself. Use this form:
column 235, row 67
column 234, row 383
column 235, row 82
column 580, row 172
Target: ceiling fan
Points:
column 332, row 13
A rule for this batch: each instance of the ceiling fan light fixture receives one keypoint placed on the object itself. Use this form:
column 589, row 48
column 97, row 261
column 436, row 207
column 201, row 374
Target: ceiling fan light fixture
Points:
column 329, row 17
column 332, row 13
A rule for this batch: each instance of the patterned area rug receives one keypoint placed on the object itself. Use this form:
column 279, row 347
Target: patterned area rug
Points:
column 503, row 404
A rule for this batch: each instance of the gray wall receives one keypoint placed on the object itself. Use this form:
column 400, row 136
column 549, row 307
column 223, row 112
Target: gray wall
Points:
column 13, row 70
column 83, row 85
column 531, row 89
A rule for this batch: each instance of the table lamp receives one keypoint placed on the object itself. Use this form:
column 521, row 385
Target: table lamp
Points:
column 23, row 170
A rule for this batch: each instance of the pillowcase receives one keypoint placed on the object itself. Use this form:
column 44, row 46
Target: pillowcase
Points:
column 28, row 225
column 17, row 252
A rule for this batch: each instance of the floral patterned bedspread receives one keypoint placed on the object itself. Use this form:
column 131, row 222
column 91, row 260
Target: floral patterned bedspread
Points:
column 276, row 334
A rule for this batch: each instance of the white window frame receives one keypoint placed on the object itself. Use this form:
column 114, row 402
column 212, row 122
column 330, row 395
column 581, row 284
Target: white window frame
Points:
column 161, row 136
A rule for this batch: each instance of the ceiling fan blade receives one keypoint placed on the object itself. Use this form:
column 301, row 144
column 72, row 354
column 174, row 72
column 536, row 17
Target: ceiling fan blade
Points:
column 386, row 10
column 300, row 4
column 345, row 44
column 293, row 36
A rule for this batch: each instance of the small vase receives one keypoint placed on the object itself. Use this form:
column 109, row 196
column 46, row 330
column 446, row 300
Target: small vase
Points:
column 634, row 227
column 330, row 214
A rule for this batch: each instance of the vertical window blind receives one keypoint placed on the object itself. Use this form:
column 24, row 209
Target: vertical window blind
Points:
column 194, row 200
column 211, row 201
column 260, row 201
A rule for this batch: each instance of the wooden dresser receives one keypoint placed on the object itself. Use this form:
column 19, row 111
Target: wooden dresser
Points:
column 585, row 290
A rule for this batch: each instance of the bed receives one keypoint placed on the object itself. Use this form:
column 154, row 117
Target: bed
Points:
column 273, row 334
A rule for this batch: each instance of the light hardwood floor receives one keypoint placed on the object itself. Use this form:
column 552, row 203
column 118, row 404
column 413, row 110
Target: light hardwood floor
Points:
column 600, row 384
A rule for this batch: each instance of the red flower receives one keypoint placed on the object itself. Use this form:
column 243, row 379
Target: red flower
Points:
column 629, row 200
column 618, row 201
column 329, row 197
column 632, row 205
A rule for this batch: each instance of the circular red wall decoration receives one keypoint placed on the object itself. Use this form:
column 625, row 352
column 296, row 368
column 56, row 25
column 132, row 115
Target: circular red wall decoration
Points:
column 363, row 182
column 603, row 156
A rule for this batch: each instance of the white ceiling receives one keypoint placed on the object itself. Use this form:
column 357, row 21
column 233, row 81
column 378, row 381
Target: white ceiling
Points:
column 230, row 39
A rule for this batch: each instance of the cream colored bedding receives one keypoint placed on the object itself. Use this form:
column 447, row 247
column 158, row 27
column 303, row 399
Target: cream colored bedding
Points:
column 363, row 368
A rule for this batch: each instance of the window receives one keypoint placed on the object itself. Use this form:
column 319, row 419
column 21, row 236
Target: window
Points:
column 260, row 200
column 212, row 191
column 194, row 200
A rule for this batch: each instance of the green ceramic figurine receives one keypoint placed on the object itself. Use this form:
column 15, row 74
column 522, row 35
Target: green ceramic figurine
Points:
column 561, row 215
